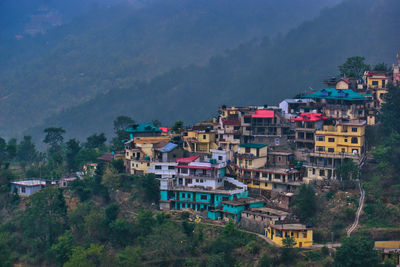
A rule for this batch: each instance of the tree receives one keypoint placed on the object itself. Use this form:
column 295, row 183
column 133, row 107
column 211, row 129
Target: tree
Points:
column 347, row 170
column 381, row 67
column 178, row 126
column 305, row 202
column 96, row 141
column 45, row 217
column 26, row 150
column 122, row 122
column 94, row 256
column 289, row 242
column 356, row 251
column 354, row 67
column 62, row 250
column 156, row 123
column 390, row 110
column 73, row 148
column 54, row 138
column 150, row 187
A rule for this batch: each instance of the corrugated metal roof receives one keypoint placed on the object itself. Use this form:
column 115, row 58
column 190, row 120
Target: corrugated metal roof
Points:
column 338, row 94
column 169, row 147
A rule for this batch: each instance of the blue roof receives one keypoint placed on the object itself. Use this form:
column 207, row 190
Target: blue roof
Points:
column 169, row 147
column 338, row 94
column 143, row 128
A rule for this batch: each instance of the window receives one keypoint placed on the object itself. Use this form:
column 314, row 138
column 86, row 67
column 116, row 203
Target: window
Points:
column 313, row 171
column 247, row 150
column 331, row 150
column 197, row 180
column 183, row 195
column 354, row 130
column 266, row 184
column 148, row 164
column 345, row 140
column 321, row 172
column 23, row 190
column 279, row 158
column 321, row 138
column 203, row 197
column 374, row 82
column 277, row 141
column 158, row 176
column 204, row 136
column 250, row 161
column 201, row 181
column 171, row 167
column 219, row 157
column 157, row 167
column 331, row 140
column 277, row 176
column 264, row 175
column 320, row 148
column 354, row 140
column 343, row 150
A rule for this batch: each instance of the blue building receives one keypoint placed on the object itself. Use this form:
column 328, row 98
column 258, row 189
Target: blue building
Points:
column 28, row 187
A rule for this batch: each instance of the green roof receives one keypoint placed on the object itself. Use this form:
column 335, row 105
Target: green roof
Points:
column 248, row 145
column 338, row 94
column 143, row 128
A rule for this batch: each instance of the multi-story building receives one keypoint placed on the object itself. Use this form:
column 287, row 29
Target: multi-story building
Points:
column 333, row 144
column 293, row 107
column 164, row 162
column 200, row 141
column 377, row 82
column 140, row 153
column 261, row 170
column 268, row 126
column 306, row 125
column 340, row 103
column 200, row 184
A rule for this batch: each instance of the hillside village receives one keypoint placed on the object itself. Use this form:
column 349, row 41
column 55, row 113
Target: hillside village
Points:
column 246, row 165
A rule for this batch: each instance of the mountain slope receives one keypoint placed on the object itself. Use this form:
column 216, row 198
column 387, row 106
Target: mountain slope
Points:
column 255, row 73
column 112, row 47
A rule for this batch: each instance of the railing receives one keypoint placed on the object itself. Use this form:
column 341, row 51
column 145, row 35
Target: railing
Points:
column 198, row 176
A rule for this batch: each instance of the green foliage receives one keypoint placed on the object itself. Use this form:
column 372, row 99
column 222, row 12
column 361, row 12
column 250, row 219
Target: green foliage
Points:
column 381, row 67
column 265, row 261
column 177, row 127
column 348, row 170
column 96, row 141
column 26, row 150
column 354, row 67
column 122, row 122
column 130, row 257
column 72, row 150
column 356, row 251
column 54, row 138
column 188, row 228
column 62, row 250
column 289, row 242
column 144, row 222
column 94, row 256
column 305, row 203
column 44, row 219
column 151, row 187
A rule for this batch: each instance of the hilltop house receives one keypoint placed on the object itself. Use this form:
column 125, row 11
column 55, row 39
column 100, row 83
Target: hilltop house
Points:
column 28, row 187
column 302, row 234
column 306, row 125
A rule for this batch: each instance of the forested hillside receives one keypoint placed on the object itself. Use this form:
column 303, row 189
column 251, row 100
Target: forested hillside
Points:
column 111, row 47
column 255, row 73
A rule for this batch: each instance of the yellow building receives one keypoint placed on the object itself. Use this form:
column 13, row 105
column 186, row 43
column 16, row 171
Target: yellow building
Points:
column 343, row 138
column 139, row 153
column 199, row 141
column 255, row 169
column 378, row 82
column 302, row 234
column 389, row 250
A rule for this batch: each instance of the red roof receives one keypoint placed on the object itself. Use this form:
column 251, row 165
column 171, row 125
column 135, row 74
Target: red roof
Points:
column 107, row 157
column 228, row 122
column 193, row 167
column 164, row 129
column 188, row 159
column 306, row 116
column 346, row 80
column 263, row 114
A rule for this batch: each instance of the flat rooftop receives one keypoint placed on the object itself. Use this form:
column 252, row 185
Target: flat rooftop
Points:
column 30, row 182
column 290, row 226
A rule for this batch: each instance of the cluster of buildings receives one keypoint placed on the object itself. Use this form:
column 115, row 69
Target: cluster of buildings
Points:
column 245, row 164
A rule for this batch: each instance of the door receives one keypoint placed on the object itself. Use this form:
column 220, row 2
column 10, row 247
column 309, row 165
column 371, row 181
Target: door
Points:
column 300, row 244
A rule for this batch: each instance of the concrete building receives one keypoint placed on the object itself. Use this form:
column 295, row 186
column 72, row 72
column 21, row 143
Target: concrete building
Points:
column 302, row 234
